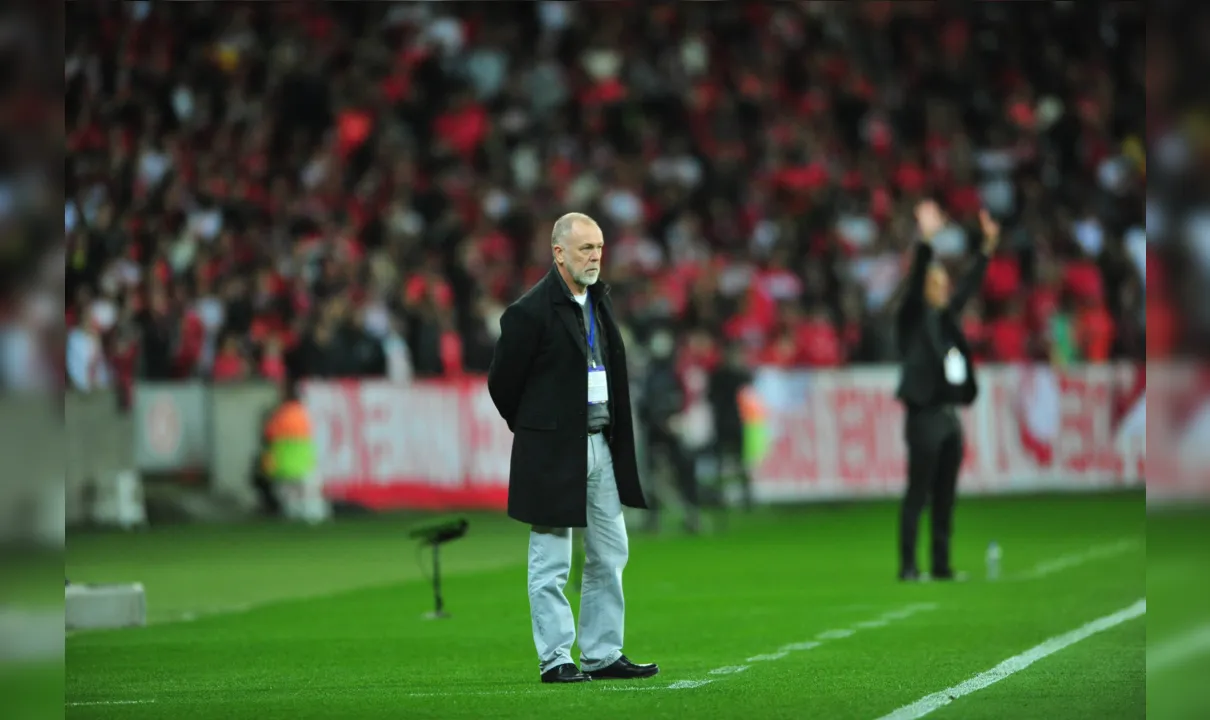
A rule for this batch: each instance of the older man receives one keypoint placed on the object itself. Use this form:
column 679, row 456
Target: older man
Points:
column 558, row 378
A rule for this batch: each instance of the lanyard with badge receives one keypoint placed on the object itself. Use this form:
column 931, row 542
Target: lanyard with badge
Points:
column 598, row 388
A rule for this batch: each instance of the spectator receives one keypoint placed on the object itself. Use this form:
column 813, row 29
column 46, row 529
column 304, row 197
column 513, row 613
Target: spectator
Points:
column 87, row 366
column 1008, row 336
column 249, row 173
column 230, row 365
column 273, row 362
column 817, row 341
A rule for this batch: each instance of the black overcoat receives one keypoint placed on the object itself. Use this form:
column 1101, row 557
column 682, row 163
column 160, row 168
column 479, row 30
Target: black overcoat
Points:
column 922, row 380
column 538, row 381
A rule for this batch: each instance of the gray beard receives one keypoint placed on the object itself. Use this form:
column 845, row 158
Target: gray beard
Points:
column 586, row 279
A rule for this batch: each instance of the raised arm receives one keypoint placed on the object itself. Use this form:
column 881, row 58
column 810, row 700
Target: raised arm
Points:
column 913, row 293
column 929, row 222
column 973, row 279
column 514, row 353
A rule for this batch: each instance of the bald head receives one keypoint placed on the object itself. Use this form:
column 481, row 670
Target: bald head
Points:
column 568, row 225
column 577, row 243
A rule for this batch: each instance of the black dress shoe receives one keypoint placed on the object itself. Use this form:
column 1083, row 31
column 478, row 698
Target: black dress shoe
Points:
column 623, row 669
column 565, row 673
column 909, row 575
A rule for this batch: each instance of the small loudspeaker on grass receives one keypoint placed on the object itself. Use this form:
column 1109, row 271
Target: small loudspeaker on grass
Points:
column 434, row 535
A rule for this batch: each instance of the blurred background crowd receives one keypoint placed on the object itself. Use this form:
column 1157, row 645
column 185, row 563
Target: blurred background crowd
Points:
column 315, row 189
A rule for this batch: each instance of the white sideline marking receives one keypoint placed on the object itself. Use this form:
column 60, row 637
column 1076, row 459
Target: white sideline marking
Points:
column 906, row 612
column 1066, row 562
column 768, row 656
column 799, row 646
column 109, row 702
column 839, row 634
column 1179, row 650
column 881, row 621
column 686, row 684
column 871, row 624
column 729, row 670
column 1014, row 664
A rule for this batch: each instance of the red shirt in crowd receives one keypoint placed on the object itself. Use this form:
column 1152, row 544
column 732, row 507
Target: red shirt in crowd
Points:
column 463, row 129
column 744, row 328
column 1042, row 304
column 976, row 334
column 1002, row 280
column 1162, row 328
column 964, row 202
column 272, row 365
column 818, row 344
column 783, row 352
column 451, row 354
column 1008, row 339
column 193, row 339
column 1096, row 331
column 229, row 366
column 353, row 128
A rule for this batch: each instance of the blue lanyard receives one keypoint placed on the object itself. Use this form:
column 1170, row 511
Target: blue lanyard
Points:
column 592, row 327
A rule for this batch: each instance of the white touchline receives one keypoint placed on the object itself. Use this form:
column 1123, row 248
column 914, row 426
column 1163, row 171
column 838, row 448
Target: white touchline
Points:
column 1179, row 650
column 783, row 651
column 793, row 647
column 839, row 634
column 1065, row 562
column 109, row 702
column 768, row 656
column 686, row 684
column 1014, row 664
column 730, row 670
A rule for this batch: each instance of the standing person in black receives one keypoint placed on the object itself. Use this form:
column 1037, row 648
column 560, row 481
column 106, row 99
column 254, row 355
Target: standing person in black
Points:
column 558, row 377
column 726, row 383
column 663, row 402
column 937, row 375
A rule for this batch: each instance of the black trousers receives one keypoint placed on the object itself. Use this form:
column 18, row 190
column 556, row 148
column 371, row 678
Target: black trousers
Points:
column 935, row 448
column 669, row 447
column 729, row 450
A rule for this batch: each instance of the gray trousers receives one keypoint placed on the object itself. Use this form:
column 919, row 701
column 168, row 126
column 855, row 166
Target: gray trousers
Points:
column 602, row 606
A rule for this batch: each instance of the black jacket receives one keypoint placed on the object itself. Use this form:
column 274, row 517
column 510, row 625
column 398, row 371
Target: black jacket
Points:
column 663, row 397
column 725, row 385
column 538, row 381
column 922, row 381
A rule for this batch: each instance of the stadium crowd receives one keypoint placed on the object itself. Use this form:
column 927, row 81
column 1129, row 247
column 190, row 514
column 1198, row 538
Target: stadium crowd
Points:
column 351, row 189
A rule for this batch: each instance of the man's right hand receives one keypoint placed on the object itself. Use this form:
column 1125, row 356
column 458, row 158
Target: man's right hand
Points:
column 929, row 220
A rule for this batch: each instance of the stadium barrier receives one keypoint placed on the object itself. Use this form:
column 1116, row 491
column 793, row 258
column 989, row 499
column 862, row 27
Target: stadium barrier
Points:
column 37, row 454
column 172, row 429
column 833, row 435
column 440, row 444
column 196, row 429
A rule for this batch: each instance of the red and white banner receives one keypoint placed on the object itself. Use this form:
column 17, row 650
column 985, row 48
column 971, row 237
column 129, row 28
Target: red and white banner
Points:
column 431, row 445
column 1178, row 432
column 840, row 435
column 834, row 435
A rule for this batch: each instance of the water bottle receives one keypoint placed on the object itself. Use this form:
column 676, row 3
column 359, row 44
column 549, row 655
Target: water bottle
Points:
column 993, row 560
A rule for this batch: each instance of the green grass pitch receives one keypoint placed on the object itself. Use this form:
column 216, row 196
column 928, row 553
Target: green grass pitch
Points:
column 271, row 621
